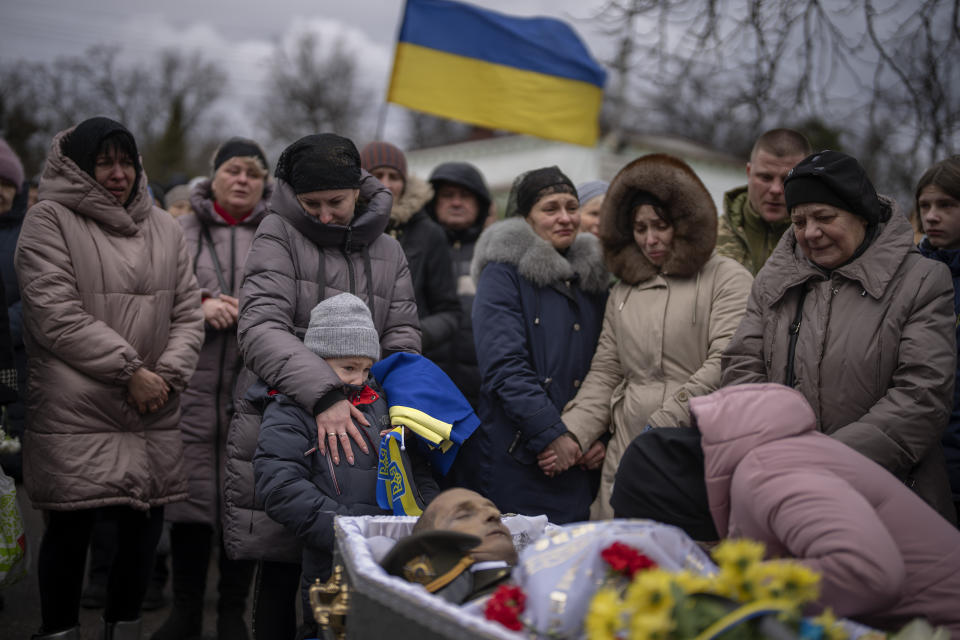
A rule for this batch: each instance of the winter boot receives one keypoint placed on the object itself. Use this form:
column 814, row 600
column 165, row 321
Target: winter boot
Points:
column 122, row 630
column 190, row 545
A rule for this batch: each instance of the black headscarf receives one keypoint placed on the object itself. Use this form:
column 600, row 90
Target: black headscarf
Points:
column 529, row 187
column 661, row 477
column 93, row 136
column 320, row 162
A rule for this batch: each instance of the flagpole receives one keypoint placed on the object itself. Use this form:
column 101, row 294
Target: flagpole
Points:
column 382, row 116
column 381, row 121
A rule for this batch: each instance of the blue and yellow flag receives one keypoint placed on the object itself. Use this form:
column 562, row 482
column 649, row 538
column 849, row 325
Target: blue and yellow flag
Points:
column 394, row 491
column 528, row 75
column 426, row 401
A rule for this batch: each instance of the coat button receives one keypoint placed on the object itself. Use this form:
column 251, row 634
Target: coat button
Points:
column 576, row 384
column 576, row 326
column 683, row 396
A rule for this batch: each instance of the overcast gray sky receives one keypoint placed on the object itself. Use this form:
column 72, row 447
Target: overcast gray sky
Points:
column 240, row 34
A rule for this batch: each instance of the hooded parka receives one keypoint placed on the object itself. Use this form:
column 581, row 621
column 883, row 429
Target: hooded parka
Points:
column 106, row 289
column 425, row 245
column 664, row 329
column 884, row 555
column 206, row 406
column 294, row 263
column 457, row 356
column 875, row 351
column 536, row 320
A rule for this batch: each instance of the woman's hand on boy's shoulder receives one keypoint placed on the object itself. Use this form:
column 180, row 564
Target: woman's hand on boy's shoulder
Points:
column 335, row 425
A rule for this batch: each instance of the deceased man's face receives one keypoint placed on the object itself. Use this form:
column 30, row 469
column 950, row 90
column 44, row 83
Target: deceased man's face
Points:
column 469, row 512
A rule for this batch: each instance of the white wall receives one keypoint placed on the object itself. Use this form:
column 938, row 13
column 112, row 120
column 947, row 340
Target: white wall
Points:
column 501, row 160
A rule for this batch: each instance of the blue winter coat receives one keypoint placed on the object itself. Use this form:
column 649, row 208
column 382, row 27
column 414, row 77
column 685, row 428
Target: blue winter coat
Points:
column 536, row 320
column 951, row 436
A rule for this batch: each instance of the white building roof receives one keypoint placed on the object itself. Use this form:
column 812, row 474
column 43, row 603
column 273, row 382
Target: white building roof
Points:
column 502, row 159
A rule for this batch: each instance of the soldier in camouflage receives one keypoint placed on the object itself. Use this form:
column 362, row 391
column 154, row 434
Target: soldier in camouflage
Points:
column 755, row 216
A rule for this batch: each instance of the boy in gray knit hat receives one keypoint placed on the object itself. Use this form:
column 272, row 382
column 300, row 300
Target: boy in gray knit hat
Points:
column 303, row 490
column 341, row 332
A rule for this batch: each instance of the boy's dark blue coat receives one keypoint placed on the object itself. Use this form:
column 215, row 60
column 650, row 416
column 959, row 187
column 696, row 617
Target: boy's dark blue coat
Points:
column 305, row 492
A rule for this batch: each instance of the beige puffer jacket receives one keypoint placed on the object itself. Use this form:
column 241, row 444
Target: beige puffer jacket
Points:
column 106, row 290
column 874, row 355
column 663, row 330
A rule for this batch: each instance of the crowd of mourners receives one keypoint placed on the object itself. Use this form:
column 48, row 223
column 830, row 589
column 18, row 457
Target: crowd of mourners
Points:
column 193, row 365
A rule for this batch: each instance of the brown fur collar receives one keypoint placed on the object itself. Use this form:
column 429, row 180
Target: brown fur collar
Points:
column 416, row 194
column 689, row 203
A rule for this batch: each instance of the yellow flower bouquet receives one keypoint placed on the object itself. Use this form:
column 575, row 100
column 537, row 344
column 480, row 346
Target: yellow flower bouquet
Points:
column 747, row 598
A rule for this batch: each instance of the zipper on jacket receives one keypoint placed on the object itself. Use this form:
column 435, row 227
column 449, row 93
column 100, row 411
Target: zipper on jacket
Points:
column 218, row 389
column 516, row 441
column 351, row 276
column 333, row 472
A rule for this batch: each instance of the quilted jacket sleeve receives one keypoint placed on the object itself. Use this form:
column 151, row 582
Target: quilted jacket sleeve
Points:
column 265, row 329
column 178, row 361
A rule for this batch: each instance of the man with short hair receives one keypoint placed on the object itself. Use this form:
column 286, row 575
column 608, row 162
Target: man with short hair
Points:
column 755, row 215
column 461, row 204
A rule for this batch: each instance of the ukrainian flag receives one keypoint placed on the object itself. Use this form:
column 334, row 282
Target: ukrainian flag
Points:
column 529, row 75
column 423, row 399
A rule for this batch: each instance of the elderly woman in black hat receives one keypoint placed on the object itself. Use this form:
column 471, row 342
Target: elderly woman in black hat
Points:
column 541, row 289
column 323, row 236
column 848, row 312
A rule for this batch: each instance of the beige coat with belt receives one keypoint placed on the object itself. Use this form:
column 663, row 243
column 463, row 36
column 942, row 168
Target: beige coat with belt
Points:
column 106, row 290
column 663, row 330
column 874, row 354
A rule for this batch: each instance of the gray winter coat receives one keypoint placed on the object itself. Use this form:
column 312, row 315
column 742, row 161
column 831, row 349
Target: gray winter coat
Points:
column 294, row 263
column 874, row 355
column 107, row 289
column 207, row 403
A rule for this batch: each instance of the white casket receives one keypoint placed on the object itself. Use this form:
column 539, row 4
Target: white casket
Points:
column 385, row 606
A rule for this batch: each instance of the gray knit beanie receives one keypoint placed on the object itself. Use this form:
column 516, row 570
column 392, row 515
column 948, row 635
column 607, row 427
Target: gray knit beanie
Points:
column 341, row 327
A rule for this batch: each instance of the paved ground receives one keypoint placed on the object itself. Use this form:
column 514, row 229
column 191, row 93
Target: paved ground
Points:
column 20, row 616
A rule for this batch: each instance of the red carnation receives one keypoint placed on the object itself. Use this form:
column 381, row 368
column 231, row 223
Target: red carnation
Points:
column 625, row 559
column 505, row 606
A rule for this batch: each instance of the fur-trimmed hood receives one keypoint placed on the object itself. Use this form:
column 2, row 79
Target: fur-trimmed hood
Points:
column 416, row 194
column 689, row 204
column 513, row 241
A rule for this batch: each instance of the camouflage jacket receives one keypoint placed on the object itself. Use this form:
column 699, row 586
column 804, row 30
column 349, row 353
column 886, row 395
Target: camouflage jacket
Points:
column 732, row 240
